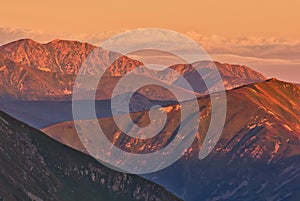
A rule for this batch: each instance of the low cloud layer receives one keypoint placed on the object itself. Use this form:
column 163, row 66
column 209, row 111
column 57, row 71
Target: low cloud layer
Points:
column 8, row 35
column 260, row 47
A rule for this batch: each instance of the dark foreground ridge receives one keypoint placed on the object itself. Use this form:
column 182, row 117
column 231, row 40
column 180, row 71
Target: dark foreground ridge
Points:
column 35, row 167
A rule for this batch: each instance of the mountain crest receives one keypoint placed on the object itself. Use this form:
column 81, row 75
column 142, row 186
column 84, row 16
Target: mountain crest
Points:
column 36, row 71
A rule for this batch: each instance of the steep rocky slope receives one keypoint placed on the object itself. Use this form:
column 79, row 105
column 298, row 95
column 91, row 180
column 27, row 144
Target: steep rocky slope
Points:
column 257, row 157
column 272, row 105
column 35, row 167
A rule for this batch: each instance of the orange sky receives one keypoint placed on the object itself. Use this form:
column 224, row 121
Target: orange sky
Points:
column 263, row 34
column 228, row 18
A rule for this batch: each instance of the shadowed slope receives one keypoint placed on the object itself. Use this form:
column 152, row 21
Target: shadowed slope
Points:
column 35, row 167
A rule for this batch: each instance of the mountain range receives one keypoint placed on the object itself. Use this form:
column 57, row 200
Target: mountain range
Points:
column 33, row 71
column 256, row 157
column 34, row 76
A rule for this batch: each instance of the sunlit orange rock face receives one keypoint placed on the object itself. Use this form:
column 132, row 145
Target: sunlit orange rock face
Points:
column 33, row 71
column 269, row 130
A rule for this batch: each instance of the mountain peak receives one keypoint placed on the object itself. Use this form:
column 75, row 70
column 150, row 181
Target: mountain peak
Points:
column 19, row 43
column 56, row 40
column 273, row 80
column 27, row 40
column 31, row 42
column 67, row 42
